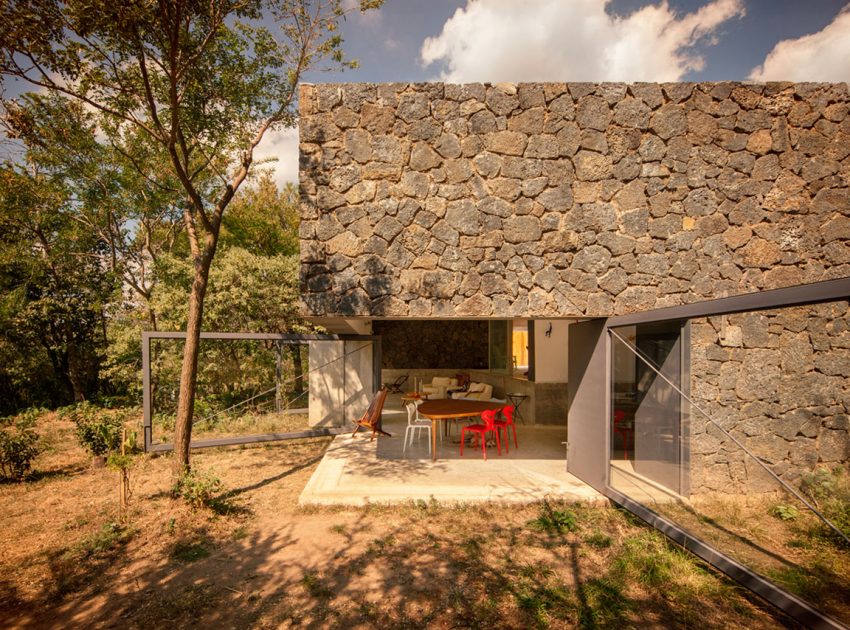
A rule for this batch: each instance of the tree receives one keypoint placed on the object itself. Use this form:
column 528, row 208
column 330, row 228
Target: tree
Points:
column 52, row 295
column 136, row 219
column 202, row 81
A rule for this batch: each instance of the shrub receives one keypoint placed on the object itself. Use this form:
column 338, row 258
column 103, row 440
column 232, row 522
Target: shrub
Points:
column 20, row 443
column 830, row 490
column 555, row 521
column 99, row 430
column 198, row 488
column 784, row 512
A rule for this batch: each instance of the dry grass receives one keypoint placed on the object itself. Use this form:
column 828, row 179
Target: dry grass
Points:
column 798, row 551
column 258, row 560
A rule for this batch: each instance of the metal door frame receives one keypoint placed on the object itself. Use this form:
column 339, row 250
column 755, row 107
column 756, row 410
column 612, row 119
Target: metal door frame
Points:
column 590, row 360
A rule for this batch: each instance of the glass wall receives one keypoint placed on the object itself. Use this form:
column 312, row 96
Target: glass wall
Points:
column 500, row 345
column 736, row 428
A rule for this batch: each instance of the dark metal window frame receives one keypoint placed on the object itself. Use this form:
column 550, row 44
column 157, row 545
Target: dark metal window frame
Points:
column 284, row 339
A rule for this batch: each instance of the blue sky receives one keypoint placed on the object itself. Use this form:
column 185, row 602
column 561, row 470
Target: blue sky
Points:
column 588, row 40
column 388, row 45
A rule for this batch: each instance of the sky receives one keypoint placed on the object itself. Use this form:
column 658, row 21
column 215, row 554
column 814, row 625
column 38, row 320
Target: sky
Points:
column 588, row 40
column 585, row 40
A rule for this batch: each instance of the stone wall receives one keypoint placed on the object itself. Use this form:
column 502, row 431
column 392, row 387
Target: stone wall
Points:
column 449, row 344
column 779, row 381
column 537, row 200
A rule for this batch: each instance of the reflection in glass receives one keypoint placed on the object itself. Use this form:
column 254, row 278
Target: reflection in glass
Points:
column 736, row 429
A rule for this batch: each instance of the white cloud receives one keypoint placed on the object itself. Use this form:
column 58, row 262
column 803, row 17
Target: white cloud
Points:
column 554, row 40
column 281, row 144
column 822, row 56
column 373, row 17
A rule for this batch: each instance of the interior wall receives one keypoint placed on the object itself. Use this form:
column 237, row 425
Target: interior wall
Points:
column 550, row 353
column 441, row 344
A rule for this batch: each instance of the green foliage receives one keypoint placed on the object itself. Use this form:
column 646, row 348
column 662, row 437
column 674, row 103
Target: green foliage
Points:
column 141, row 159
column 316, row 586
column 598, row 540
column 20, row 444
column 109, row 536
column 555, row 521
column 191, row 550
column 52, row 294
column 830, row 490
column 198, row 488
column 784, row 512
column 97, row 429
column 649, row 559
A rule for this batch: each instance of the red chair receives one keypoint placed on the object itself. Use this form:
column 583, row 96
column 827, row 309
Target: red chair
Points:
column 508, row 412
column 481, row 430
column 625, row 429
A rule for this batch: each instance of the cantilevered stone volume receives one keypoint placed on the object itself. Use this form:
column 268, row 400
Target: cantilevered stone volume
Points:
column 567, row 199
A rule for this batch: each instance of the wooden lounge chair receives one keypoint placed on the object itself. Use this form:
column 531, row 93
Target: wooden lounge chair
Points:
column 372, row 418
column 395, row 386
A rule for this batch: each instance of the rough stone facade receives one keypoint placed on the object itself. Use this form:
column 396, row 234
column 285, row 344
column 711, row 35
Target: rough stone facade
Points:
column 777, row 380
column 453, row 345
column 580, row 199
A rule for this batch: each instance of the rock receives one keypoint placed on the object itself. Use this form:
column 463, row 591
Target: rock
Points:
column 413, row 106
column 528, row 122
column 522, row 229
column 358, row 144
column 482, row 122
column 593, row 112
column 594, row 259
column 556, row 199
column 760, row 253
column 423, row 157
column 377, row 119
column 505, row 142
column 487, row 164
column 543, row 146
column 669, row 121
column 591, row 166
column 633, row 113
column 463, row 217
column 502, row 99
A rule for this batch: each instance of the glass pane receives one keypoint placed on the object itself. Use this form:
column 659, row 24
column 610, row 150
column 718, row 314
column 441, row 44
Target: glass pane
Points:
column 499, row 345
column 250, row 387
column 762, row 400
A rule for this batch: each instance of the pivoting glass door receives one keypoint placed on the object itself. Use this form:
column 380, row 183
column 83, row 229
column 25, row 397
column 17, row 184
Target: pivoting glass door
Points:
column 648, row 420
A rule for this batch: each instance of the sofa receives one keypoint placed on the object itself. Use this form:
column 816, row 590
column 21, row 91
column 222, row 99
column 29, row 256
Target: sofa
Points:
column 476, row 391
column 439, row 386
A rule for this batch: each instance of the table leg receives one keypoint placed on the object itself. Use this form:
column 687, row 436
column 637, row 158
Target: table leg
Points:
column 433, row 440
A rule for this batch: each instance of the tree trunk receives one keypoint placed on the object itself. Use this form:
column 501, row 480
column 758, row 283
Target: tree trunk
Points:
column 189, row 370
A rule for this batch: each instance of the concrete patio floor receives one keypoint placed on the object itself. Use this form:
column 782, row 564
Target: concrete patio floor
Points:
column 357, row 471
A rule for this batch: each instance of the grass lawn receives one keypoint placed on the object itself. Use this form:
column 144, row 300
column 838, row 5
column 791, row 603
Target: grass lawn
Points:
column 259, row 560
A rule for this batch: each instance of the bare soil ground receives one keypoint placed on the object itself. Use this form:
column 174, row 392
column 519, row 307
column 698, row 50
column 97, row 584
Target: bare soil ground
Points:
column 67, row 559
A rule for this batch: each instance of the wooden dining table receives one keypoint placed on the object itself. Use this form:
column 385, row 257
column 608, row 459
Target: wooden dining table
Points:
column 452, row 409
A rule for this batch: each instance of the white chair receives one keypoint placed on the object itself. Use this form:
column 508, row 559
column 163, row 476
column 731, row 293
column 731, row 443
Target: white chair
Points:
column 414, row 424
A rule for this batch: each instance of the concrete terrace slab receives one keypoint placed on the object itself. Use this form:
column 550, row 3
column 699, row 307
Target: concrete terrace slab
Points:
column 357, row 471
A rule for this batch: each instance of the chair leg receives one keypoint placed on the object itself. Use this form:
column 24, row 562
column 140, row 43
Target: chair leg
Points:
column 462, row 431
column 483, row 446
column 498, row 446
column 513, row 426
column 406, row 433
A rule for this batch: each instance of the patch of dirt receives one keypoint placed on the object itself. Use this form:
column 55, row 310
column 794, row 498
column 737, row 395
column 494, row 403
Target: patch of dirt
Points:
column 68, row 559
